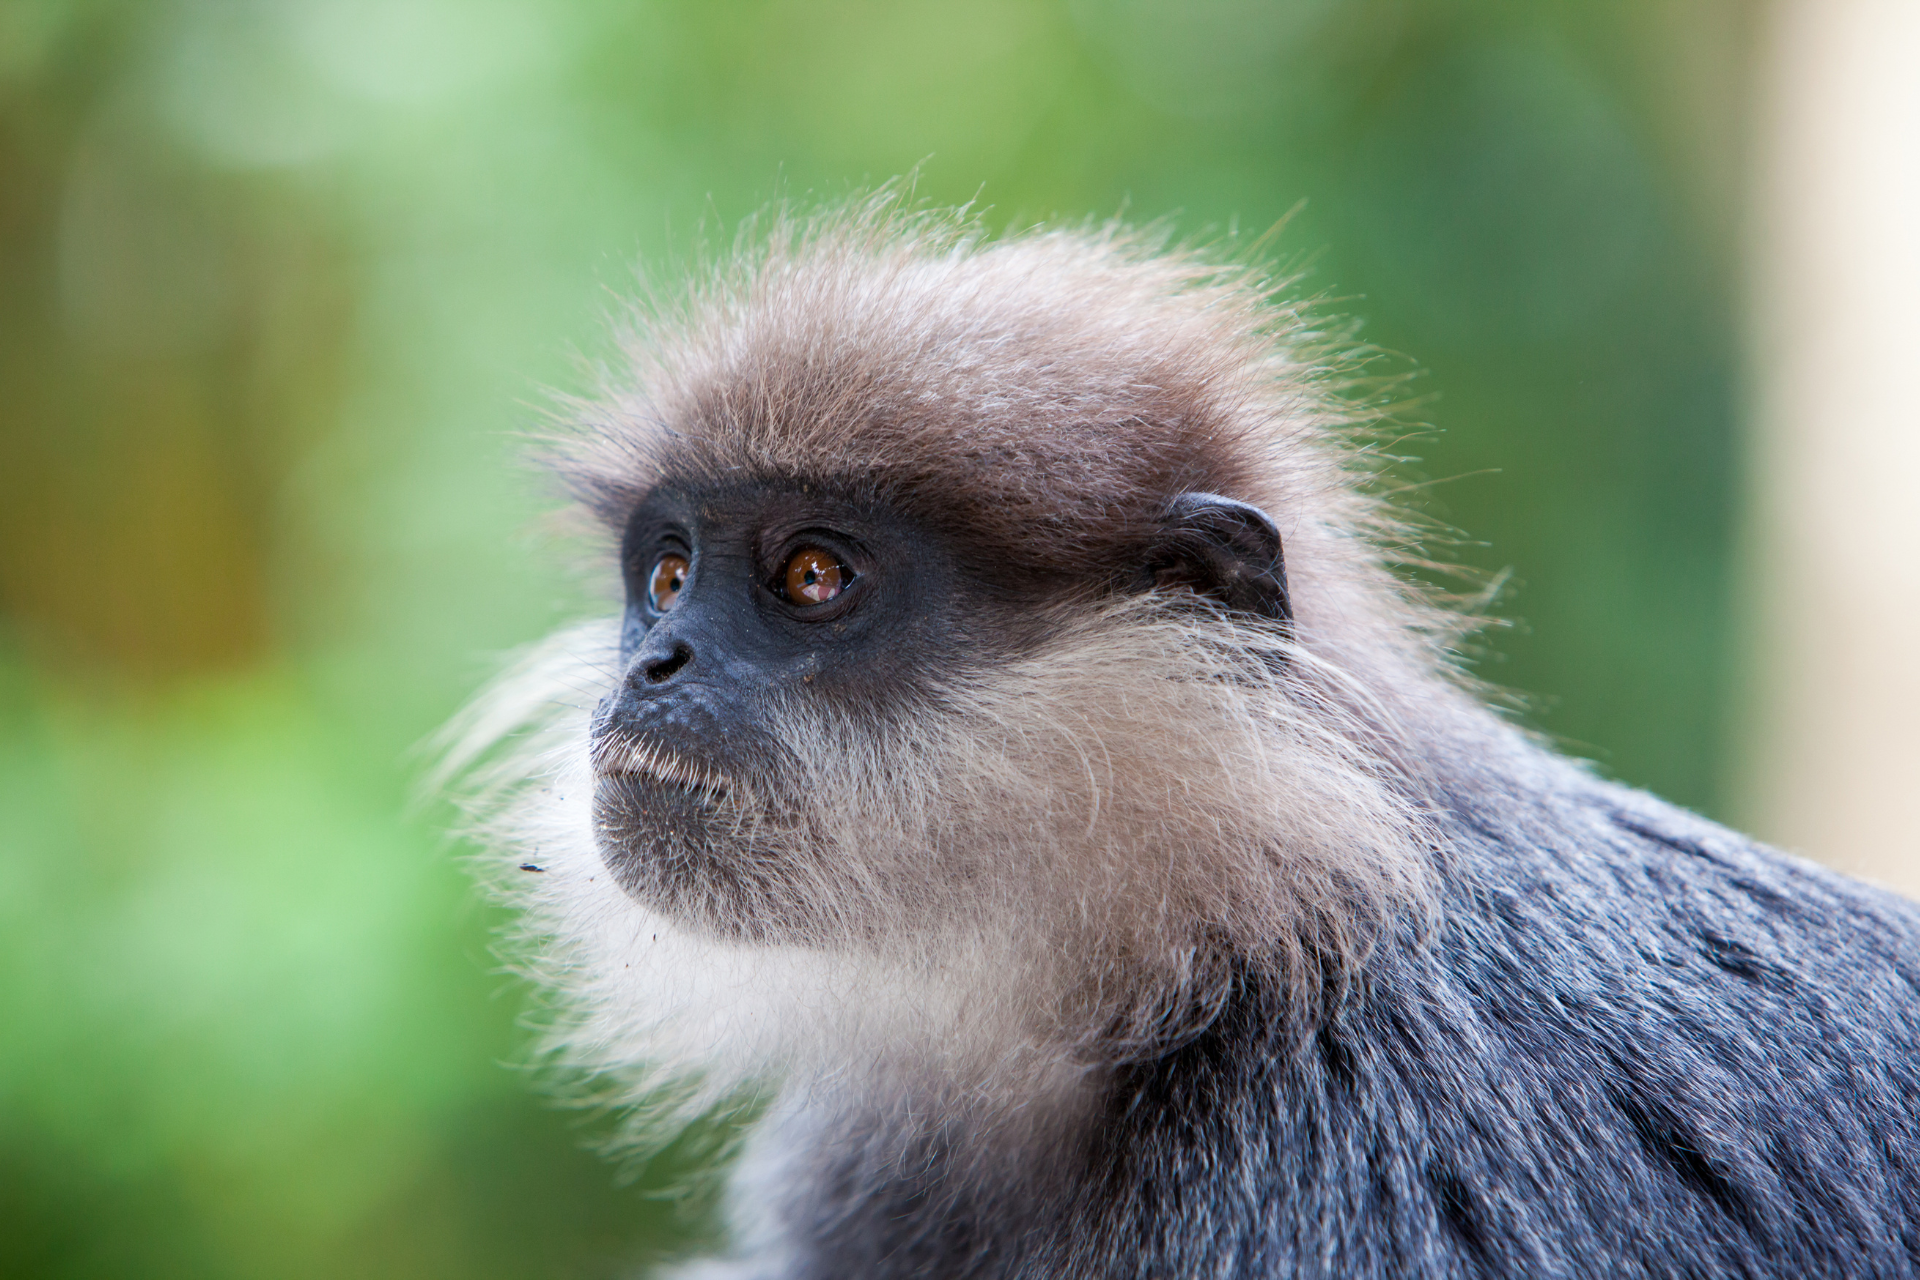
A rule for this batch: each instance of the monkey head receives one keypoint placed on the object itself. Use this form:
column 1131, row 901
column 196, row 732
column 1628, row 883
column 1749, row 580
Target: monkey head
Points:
column 992, row 676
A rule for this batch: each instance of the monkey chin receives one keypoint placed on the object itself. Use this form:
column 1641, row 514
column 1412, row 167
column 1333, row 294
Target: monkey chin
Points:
column 689, row 852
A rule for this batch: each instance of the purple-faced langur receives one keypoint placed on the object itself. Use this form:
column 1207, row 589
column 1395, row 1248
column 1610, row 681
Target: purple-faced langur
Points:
column 1019, row 770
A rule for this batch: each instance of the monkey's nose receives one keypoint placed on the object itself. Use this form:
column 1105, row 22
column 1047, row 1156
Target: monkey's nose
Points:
column 659, row 670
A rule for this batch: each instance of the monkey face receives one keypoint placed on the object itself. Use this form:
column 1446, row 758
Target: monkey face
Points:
column 751, row 607
column 770, row 758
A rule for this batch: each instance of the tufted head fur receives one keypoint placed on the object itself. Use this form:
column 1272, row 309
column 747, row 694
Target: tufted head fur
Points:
column 1045, row 855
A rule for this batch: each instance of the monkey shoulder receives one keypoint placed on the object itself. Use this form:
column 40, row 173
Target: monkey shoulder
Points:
column 1636, row 1044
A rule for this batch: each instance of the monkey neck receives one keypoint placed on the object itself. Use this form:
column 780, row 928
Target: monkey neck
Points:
column 904, row 1166
column 906, row 1172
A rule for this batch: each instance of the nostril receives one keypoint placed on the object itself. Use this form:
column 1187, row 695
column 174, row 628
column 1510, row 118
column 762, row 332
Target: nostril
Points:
column 660, row 670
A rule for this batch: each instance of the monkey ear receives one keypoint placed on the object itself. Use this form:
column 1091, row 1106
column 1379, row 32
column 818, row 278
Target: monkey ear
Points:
column 1222, row 548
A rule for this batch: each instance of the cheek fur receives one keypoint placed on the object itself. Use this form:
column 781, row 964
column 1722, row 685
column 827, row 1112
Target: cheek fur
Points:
column 1033, row 880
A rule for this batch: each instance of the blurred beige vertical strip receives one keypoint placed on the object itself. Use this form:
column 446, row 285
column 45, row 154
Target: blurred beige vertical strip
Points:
column 1832, row 759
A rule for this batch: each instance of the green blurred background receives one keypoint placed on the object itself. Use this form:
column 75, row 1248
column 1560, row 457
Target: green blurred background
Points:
column 280, row 281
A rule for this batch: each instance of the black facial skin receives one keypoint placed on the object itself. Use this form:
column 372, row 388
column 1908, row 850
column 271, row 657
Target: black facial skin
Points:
column 695, row 807
column 702, row 677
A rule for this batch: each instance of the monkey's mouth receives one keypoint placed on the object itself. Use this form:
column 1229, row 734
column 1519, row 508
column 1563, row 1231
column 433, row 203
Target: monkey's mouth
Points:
column 647, row 765
column 665, row 825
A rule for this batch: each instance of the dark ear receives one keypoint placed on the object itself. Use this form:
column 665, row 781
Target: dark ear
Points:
column 1221, row 548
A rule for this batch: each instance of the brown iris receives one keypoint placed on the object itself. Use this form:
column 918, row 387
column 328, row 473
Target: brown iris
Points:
column 814, row 576
column 664, row 583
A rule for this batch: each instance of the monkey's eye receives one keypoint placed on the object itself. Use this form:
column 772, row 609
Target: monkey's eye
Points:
column 664, row 583
column 813, row 576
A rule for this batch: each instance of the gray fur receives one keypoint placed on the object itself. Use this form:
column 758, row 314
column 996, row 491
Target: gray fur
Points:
column 1639, row 1045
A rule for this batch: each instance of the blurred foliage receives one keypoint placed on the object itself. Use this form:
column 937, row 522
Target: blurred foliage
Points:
column 278, row 281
